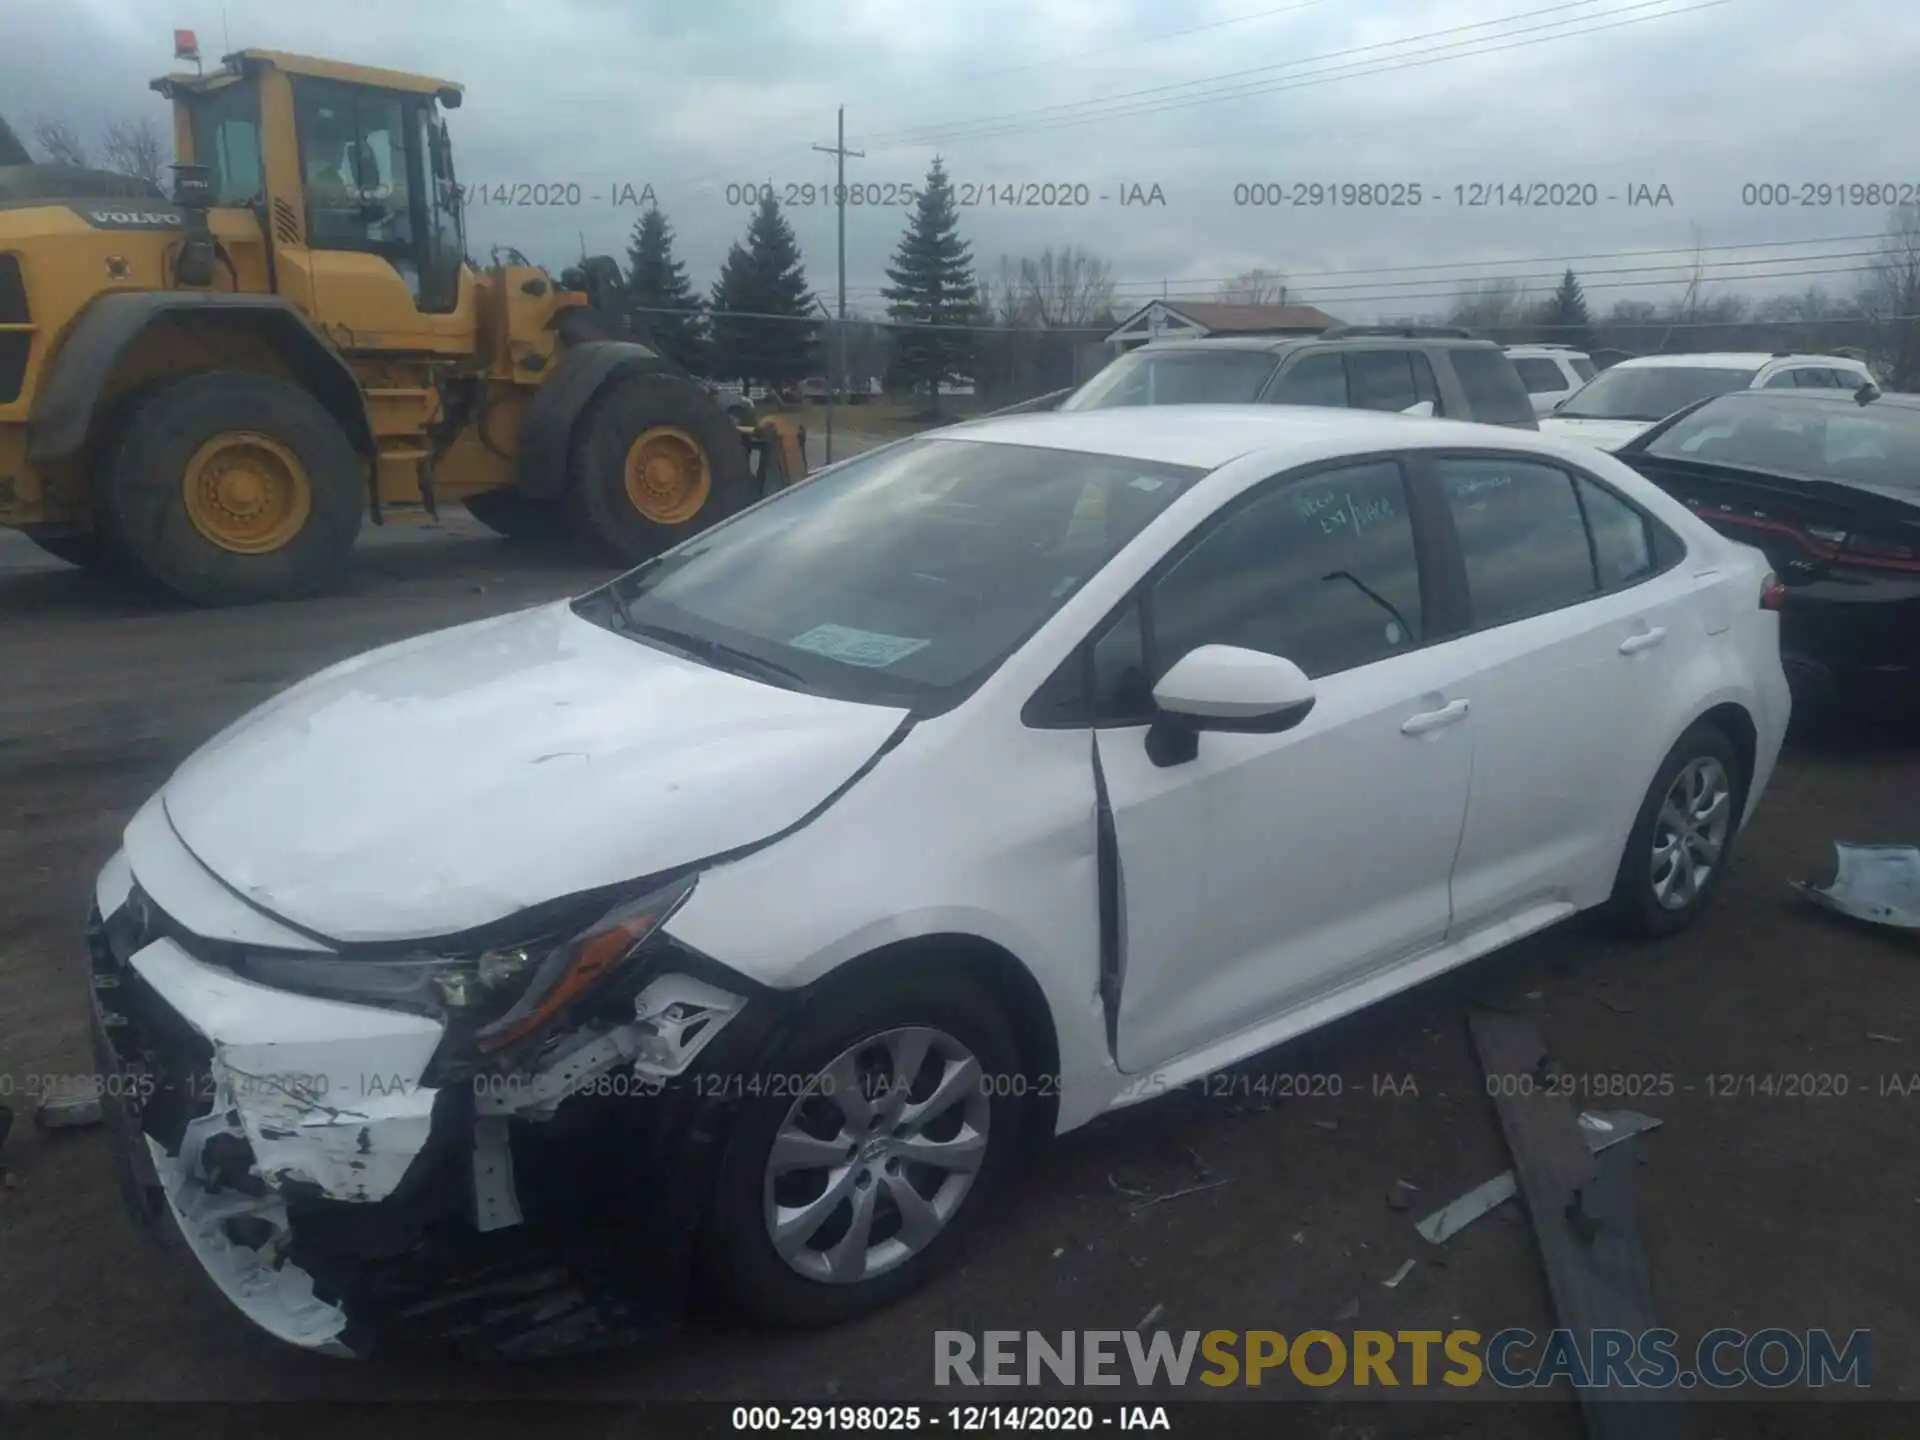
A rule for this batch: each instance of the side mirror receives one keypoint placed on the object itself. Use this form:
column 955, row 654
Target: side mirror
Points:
column 1423, row 408
column 1224, row 687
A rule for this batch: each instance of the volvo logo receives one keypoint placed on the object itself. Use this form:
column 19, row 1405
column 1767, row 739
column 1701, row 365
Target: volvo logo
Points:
column 132, row 219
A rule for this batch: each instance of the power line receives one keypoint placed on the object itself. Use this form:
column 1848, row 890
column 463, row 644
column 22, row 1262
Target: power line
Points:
column 1095, row 111
column 913, row 132
column 1074, row 57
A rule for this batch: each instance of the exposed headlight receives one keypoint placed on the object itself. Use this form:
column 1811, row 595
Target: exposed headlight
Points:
column 494, row 998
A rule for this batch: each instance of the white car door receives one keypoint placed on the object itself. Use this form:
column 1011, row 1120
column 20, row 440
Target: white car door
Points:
column 1575, row 644
column 1267, row 869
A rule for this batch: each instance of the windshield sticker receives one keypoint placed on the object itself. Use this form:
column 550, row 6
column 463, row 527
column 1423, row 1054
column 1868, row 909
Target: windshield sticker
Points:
column 1146, row 482
column 857, row 647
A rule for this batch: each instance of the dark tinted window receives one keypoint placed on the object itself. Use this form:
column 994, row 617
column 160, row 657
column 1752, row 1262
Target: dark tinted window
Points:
column 1622, row 546
column 1382, row 380
column 1522, row 535
column 1781, row 380
column 1539, row 375
column 1322, row 571
column 1583, row 368
column 226, row 139
column 1873, row 444
column 1319, row 378
column 1121, row 689
column 1813, row 377
column 1493, row 389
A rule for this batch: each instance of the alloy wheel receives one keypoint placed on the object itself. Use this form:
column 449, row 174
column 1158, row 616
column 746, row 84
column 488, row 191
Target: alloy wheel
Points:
column 874, row 1161
column 1690, row 832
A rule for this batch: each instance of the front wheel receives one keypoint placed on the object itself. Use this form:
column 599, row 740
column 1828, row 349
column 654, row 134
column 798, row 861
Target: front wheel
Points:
column 654, row 461
column 1682, row 839
column 845, row 1196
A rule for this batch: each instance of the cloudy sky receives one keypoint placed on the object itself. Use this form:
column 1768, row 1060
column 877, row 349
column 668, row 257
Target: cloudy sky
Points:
column 1701, row 97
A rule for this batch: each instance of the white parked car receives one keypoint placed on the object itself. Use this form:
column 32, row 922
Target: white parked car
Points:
column 1626, row 399
column 1550, row 372
column 746, row 917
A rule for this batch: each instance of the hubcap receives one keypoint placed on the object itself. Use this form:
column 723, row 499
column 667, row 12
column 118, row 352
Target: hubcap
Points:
column 1691, row 831
column 667, row 477
column 875, row 1159
column 246, row 493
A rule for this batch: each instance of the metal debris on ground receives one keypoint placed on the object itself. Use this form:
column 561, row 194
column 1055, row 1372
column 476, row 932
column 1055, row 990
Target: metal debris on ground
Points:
column 1879, row 884
column 1392, row 1282
column 1885, row 1039
column 1602, row 1129
column 1133, row 1190
column 1153, row 1200
column 1327, row 1124
column 68, row 1112
column 1152, row 1315
column 1350, row 1310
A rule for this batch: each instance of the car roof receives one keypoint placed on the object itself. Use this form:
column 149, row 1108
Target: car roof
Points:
column 1547, row 352
column 1209, row 436
column 1728, row 359
column 1898, row 400
column 1277, row 343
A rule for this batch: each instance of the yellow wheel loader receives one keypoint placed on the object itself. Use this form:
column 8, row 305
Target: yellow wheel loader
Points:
column 217, row 389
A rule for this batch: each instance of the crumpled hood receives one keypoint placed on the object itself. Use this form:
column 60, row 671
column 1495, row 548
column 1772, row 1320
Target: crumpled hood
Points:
column 1601, row 434
column 455, row 778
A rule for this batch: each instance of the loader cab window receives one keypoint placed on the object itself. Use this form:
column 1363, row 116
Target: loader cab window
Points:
column 226, row 139
column 364, row 169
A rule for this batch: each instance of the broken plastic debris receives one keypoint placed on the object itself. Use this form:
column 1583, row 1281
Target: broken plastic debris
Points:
column 1392, row 1282
column 1152, row 1315
column 1876, row 883
column 1601, row 1129
column 67, row 1112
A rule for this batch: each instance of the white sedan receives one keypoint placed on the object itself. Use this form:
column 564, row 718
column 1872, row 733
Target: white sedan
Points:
column 747, row 916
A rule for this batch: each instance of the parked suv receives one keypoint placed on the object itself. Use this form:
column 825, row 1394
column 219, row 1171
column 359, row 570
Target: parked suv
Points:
column 1551, row 372
column 1413, row 370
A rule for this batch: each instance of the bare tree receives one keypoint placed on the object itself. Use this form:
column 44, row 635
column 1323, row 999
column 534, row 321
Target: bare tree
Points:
column 59, row 141
column 1258, row 286
column 134, row 148
column 1890, row 300
column 1060, row 289
column 1496, row 304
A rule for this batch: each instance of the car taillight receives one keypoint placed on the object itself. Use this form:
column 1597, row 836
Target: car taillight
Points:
column 1773, row 595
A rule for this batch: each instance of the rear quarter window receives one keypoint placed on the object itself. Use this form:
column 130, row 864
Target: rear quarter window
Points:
column 1492, row 386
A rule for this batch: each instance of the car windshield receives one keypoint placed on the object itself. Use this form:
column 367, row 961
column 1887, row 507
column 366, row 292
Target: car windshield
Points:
column 1865, row 445
column 1651, row 392
column 903, row 577
column 1177, row 377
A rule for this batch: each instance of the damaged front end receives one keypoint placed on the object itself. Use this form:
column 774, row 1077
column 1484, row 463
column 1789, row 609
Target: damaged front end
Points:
column 505, row 1147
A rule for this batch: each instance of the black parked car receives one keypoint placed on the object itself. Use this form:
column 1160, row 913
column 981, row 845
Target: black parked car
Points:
column 1827, row 483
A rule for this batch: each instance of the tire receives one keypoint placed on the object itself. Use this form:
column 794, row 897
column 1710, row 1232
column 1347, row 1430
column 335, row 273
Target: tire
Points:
column 185, row 435
column 88, row 550
column 739, row 1252
column 684, row 425
column 516, row 517
column 1636, row 907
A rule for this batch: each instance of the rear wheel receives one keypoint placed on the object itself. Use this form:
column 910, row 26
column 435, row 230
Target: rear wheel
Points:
column 229, row 488
column 1682, row 838
column 516, row 516
column 654, row 462
column 847, row 1189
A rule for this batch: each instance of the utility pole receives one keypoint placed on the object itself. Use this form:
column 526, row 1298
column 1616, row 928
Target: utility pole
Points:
column 840, row 153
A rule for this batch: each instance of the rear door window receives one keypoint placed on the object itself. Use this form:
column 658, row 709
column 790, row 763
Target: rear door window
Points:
column 1381, row 380
column 1492, row 386
column 1522, row 535
column 1539, row 376
column 1317, row 378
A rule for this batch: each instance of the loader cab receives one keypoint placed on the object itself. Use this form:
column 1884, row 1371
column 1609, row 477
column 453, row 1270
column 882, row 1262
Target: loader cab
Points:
column 349, row 171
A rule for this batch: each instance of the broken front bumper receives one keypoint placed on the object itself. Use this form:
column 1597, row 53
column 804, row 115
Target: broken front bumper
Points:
column 334, row 1198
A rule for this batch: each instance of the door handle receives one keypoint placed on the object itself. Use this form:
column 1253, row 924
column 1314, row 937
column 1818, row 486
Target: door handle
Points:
column 1645, row 640
column 1426, row 720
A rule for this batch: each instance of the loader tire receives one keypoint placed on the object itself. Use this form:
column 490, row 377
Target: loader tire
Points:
column 232, row 488
column 515, row 516
column 654, row 461
column 89, row 551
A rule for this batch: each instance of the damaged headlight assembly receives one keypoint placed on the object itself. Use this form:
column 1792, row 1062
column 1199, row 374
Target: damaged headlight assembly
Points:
column 495, row 1001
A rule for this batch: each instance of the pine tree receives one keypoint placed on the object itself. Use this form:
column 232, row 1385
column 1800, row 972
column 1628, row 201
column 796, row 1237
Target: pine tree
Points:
column 1565, row 315
column 661, row 298
column 763, row 278
column 933, row 287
